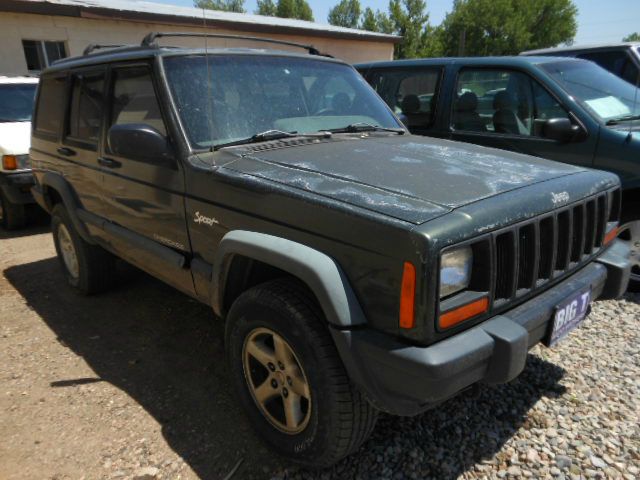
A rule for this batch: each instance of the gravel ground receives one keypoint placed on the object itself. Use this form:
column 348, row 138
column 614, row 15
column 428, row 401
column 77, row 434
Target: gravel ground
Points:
column 132, row 384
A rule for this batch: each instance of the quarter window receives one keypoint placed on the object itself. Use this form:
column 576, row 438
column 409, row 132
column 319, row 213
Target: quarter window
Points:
column 39, row 54
column 134, row 99
column 502, row 102
column 87, row 103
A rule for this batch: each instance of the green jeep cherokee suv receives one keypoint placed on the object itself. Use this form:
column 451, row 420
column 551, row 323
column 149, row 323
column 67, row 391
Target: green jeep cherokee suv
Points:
column 357, row 267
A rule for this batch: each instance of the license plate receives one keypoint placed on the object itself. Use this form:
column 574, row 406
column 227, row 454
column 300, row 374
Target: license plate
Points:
column 568, row 315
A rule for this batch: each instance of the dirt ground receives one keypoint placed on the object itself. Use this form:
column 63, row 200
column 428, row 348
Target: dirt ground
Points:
column 132, row 384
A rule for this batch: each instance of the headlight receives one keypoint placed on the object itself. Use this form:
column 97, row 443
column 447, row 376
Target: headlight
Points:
column 455, row 270
column 15, row 162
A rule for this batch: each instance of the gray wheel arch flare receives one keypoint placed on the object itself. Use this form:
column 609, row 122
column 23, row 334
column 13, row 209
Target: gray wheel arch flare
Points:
column 318, row 271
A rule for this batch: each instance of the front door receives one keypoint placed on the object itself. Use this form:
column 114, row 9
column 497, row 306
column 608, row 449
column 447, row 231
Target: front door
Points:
column 507, row 109
column 145, row 198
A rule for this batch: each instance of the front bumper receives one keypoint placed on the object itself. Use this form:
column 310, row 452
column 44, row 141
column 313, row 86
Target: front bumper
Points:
column 16, row 187
column 406, row 380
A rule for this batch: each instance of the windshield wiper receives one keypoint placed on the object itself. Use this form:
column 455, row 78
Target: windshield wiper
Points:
column 270, row 135
column 626, row 118
column 366, row 127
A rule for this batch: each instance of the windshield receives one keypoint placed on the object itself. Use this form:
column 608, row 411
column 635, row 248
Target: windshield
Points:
column 16, row 102
column 253, row 94
column 603, row 93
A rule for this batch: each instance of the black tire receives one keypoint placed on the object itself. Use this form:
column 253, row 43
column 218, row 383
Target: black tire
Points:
column 13, row 216
column 95, row 266
column 340, row 419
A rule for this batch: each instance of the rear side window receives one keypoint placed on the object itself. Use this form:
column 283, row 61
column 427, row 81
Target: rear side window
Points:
column 616, row 61
column 134, row 99
column 410, row 92
column 51, row 105
column 87, row 105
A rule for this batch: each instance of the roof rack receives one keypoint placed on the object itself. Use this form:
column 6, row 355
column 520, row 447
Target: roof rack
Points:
column 150, row 40
column 95, row 46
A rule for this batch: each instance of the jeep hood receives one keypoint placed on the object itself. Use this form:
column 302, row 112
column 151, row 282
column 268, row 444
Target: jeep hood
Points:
column 407, row 177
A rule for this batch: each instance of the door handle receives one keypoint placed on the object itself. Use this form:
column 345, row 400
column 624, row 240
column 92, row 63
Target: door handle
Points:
column 67, row 152
column 109, row 162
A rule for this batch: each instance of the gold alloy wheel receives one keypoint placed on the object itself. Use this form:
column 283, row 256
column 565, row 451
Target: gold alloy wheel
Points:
column 276, row 380
column 68, row 251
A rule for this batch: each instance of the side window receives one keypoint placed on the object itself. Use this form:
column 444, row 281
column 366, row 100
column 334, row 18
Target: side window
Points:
column 87, row 104
column 503, row 102
column 410, row 92
column 134, row 99
column 51, row 105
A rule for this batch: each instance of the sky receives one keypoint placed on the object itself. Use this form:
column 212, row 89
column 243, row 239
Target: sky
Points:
column 598, row 20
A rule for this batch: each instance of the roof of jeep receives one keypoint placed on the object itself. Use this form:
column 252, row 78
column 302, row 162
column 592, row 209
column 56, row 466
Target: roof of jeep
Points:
column 130, row 52
column 509, row 61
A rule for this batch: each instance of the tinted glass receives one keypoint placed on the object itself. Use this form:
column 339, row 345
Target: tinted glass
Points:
column 601, row 92
column 134, row 99
column 16, row 102
column 410, row 93
column 87, row 103
column 252, row 94
column 51, row 104
column 502, row 101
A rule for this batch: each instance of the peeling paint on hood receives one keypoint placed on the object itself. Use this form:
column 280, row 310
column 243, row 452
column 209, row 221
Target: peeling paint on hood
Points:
column 408, row 177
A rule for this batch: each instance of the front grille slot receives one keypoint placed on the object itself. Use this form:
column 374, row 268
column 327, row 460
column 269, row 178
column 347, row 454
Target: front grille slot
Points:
column 529, row 254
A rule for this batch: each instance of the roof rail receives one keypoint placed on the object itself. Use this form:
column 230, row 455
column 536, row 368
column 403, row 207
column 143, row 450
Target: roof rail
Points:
column 150, row 40
column 95, row 46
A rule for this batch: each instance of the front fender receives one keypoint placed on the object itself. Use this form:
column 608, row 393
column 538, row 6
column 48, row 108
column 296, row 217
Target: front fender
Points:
column 317, row 270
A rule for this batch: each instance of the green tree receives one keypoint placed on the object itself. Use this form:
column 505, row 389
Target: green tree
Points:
column 224, row 5
column 410, row 20
column 369, row 20
column 299, row 9
column 266, row 7
column 633, row 37
column 506, row 27
column 345, row 14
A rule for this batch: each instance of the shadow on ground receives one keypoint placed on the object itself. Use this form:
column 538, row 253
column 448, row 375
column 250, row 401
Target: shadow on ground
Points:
column 165, row 351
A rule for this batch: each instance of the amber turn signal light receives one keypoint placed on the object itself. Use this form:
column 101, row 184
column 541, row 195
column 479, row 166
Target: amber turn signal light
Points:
column 408, row 296
column 9, row 162
column 465, row 312
column 611, row 235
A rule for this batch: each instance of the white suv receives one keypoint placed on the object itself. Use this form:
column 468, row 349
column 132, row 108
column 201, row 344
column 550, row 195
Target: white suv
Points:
column 16, row 106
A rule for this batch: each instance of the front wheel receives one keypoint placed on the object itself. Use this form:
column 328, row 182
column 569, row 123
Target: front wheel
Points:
column 290, row 378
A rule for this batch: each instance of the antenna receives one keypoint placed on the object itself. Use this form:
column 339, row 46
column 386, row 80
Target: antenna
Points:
column 209, row 97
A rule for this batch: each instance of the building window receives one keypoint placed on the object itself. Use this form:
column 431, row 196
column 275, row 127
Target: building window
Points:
column 42, row 53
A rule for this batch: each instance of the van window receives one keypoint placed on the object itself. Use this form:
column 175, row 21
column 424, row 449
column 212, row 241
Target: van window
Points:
column 51, row 105
column 87, row 104
column 616, row 61
column 134, row 99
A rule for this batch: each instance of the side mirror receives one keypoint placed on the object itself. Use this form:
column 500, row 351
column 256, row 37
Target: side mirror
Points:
column 561, row 130
column 138, row 141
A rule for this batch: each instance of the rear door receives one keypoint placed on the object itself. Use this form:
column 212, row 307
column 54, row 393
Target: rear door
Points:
column 145, row 198
column 81, row 135
column 507, row 108
column 412, row 93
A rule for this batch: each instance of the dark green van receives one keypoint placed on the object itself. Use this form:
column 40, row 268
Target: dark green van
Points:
column 564, row 109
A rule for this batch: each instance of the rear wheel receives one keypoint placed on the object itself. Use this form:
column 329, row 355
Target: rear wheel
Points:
column 290, row 378
column 13, row 216
column 88, row 268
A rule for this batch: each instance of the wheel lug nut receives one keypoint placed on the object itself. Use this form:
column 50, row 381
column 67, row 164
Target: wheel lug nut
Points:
column 272, row 367
column 274, row 384
column 285, row 392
